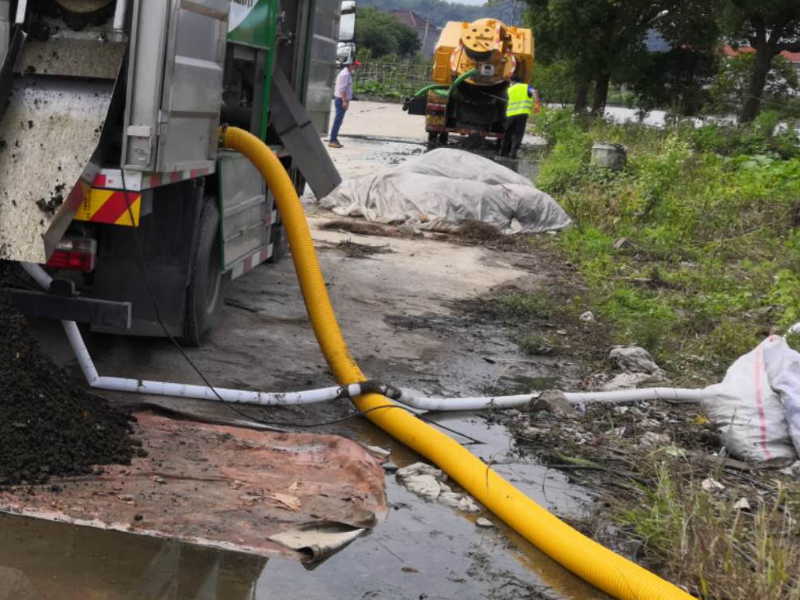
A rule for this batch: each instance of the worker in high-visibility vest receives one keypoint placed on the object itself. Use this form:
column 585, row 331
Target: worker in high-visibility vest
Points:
column 522, row 98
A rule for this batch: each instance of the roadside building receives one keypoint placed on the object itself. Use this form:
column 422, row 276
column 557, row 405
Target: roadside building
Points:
column 427, row 32
column 792, row 57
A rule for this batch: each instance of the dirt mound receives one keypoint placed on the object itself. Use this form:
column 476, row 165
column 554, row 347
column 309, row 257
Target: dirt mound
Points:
column 48, row 426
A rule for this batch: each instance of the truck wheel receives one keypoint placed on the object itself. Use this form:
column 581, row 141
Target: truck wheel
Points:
column 280, row 243
column 205, row 295
column 433, row 139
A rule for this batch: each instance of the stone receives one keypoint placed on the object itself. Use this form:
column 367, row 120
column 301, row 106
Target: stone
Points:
column 424, row 486
column 458, row 501
column 712, row 485
column 742, row 504
column 483, row 522
column 634, row 359
column 554, row 402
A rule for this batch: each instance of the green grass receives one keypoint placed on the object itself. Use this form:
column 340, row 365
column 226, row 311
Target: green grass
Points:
column 693, row 250
column 723, row 553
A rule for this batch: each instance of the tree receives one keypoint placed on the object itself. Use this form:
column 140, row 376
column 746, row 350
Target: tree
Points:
column 383, row 35
column 599, row 37
column 678, row 79
column 769, row 27
column 732, row 83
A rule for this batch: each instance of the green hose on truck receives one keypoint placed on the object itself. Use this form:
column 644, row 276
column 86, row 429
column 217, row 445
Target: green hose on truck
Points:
column 586, row 558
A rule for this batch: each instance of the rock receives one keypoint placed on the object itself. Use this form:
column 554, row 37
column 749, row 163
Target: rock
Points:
column 651, row 438
column 421, row 479
column 390, row 467
column 634, row 359
column 378, row 451
column 458, row 501
column 625, row 381
column 418, row 468
column 712, row 485
column 554, row 402
column 742, row 504
column 425, row 486
column 483, row 522
column 588, row 316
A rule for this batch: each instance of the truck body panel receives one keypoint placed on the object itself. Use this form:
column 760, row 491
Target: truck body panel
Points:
column 131, row 106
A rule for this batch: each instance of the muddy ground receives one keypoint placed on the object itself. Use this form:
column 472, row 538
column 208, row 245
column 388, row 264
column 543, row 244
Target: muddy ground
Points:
column 412, row 311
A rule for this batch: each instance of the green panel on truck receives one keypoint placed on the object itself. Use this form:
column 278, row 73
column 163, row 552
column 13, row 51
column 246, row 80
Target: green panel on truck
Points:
column 255, row 23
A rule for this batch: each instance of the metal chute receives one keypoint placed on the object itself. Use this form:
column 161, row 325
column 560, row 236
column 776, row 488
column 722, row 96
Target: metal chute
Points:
column 57, row 91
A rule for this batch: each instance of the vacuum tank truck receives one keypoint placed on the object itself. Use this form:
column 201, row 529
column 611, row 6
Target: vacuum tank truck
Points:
column 473, row 65
column 110, row 172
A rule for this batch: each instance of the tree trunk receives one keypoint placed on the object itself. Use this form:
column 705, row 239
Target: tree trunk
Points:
column 582, row 94
column 755, row 88
column 600, row 94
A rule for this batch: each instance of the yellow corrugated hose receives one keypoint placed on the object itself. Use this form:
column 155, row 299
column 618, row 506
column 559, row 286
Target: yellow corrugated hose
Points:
column 586, row 558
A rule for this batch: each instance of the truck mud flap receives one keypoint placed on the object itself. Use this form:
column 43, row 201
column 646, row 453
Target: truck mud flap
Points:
column 50, row 129
column 293, row 125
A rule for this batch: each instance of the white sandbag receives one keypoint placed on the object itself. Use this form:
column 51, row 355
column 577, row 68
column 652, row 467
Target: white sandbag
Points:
column 445, row 187
column 783, row 371
column 748, row 411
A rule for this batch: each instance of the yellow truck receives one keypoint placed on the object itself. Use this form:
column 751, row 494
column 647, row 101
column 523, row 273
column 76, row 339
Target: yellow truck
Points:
column 473, row 65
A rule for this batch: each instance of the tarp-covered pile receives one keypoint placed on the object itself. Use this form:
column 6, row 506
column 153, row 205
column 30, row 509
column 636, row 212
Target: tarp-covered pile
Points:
column 443, row 188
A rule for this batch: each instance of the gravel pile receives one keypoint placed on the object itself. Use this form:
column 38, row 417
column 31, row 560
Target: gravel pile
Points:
column 48, row 425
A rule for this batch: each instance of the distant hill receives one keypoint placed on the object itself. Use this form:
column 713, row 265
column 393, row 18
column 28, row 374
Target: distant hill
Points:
column 439, row 12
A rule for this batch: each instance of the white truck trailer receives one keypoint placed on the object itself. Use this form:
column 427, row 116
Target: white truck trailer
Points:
column 110, row 172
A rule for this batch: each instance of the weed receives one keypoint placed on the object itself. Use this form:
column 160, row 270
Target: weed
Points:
column 717, row 224
column 723, row 551
column 520, row 306
column 535, row 344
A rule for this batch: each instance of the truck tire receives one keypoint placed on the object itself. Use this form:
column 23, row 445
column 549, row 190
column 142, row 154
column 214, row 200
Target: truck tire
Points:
column 433, row 140
column 280, row 243
column 205, row 294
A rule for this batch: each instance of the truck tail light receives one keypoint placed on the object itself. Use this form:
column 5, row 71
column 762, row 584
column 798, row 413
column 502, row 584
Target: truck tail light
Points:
column 77, row 254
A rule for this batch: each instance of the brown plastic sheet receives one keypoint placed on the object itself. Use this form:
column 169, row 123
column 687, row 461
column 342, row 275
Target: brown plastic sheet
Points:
column 299, row 495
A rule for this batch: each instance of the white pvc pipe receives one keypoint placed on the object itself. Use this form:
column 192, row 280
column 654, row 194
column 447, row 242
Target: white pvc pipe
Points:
column 38, row 274
column 202, row 392
column 634, row 395
column 409, row 397
column 502, row 402
column 119, row 15
column 182, row 390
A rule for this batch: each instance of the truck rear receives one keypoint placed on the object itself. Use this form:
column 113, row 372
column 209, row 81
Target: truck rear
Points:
column 473, row 65
column 110, row 172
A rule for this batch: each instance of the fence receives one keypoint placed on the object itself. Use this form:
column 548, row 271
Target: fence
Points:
column 390, row 79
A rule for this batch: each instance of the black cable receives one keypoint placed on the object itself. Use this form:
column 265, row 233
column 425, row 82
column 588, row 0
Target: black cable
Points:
column 157, row 311
column 188, row 359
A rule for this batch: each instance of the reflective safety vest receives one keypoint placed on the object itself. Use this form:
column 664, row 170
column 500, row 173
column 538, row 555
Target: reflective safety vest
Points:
column 519, row 103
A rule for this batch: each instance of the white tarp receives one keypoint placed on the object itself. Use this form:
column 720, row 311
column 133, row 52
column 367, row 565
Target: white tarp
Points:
column 445, row 187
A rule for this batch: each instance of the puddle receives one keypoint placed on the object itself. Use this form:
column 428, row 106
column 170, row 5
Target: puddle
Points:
column 40, row 560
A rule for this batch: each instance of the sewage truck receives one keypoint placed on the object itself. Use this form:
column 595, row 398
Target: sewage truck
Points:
column 473, row 65
column 110, row 171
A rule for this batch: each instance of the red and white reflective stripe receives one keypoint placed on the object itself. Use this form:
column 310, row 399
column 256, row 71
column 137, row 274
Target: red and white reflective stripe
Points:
column 250, row 262
column 136, row 181
column 760, row 375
